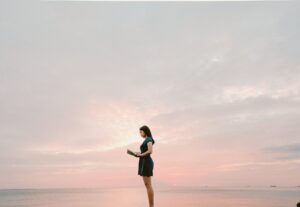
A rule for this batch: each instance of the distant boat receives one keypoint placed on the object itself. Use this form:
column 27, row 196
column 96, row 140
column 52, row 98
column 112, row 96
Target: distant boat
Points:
column 273, row 186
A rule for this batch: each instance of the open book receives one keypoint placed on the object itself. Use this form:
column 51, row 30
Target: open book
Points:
column 131, row 153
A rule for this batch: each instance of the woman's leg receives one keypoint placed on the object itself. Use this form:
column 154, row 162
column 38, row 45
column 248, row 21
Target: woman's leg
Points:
column 150, row 192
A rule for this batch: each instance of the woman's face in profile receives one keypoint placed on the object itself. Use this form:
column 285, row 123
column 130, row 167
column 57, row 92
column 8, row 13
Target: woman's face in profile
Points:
column 142, row 133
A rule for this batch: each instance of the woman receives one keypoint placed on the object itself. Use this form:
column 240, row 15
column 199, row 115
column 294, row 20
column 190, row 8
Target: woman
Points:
column 146, row 163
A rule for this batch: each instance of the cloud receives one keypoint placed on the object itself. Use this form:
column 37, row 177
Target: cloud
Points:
column 283, row 152
column 78, row 80
column 267, row 163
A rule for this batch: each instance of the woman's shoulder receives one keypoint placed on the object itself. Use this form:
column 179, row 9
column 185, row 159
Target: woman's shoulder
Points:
column 149, row 139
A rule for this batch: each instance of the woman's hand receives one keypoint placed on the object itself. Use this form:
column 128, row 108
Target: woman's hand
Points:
column 138, row 154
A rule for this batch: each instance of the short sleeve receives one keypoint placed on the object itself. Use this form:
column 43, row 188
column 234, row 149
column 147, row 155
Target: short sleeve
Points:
column 149, row 139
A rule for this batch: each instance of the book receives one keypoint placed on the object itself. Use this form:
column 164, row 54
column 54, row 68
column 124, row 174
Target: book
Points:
column 131, row 153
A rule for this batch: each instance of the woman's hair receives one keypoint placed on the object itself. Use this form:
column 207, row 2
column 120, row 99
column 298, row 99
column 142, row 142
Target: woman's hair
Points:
column 147, row 132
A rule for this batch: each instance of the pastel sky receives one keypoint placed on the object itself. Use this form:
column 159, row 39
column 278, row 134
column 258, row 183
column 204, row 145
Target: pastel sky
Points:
column 218, row 83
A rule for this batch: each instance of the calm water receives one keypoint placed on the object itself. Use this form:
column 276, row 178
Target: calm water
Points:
column 137, row 197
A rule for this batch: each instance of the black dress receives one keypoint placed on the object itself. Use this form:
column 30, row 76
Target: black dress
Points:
column 146, row 163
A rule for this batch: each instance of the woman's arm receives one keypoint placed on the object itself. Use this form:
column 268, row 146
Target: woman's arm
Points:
column 149, row 151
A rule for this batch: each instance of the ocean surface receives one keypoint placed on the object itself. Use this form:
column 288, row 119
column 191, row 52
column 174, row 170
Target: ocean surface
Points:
column 164, row 197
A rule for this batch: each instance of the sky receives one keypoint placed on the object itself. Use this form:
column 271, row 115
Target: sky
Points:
column 218, row 83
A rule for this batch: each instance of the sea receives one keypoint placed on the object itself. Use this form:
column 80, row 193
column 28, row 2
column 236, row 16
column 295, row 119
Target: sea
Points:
column 163, row 197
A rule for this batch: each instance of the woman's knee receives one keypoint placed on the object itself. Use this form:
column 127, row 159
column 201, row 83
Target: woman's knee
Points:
column 147, row 182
